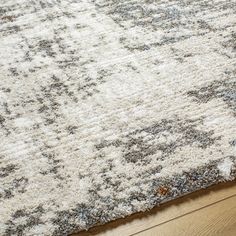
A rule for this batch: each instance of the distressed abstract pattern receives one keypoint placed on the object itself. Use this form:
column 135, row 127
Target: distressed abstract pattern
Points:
column 110, row 107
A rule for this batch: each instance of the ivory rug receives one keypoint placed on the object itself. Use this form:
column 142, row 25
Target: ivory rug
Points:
column 109, row 107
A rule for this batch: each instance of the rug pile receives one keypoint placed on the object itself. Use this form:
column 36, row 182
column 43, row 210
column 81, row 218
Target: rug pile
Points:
column 109, row 107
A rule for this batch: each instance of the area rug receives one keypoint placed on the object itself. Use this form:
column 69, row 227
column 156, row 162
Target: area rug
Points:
column 109, row 107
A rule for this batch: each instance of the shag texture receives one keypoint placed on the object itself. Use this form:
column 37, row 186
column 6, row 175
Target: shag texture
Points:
column 111, row 107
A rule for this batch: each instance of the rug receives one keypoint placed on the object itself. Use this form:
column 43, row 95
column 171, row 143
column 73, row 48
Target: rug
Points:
column 109, row 107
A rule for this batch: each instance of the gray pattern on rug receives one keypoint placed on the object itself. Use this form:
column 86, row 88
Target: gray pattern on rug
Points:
column 109, row 107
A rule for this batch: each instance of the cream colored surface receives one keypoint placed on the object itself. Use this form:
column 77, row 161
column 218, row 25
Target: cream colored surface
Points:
column 105, row 102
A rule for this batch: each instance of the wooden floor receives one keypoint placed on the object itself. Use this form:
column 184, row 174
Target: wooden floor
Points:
column 207, row 212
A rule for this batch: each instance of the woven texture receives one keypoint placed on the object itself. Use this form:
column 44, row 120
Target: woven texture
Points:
column 110, row 107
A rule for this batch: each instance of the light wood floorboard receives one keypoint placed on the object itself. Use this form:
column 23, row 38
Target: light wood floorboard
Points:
column 218, row 219
column 217, row 204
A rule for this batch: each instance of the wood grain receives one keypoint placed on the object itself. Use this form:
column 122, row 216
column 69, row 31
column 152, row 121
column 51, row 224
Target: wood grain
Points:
column 218, row 219
column 168, row 212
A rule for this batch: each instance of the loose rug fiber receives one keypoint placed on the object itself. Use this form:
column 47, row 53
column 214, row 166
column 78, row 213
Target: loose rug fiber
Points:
column 110, row 107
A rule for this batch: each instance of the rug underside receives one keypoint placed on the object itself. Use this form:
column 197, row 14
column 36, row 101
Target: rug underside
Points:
column 108, row 108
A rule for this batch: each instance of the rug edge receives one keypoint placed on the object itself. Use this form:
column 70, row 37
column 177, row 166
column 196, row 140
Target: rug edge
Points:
column 169, row 189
